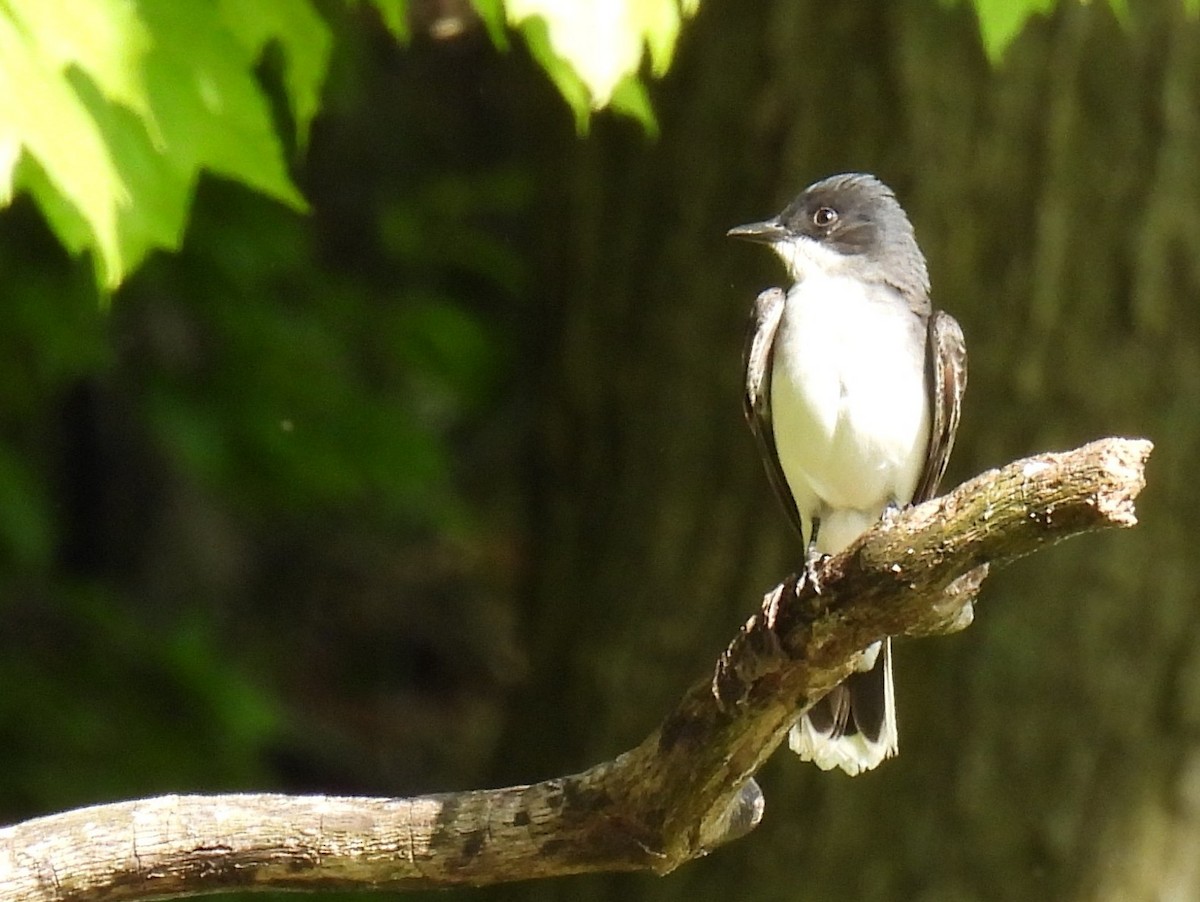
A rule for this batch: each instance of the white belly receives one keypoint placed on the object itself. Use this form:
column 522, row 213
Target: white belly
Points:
column 849, row 404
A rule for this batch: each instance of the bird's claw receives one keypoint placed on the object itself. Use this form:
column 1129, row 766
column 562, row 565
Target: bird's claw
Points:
column 812, row 568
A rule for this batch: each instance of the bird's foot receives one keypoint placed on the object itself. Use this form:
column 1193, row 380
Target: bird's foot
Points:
column 812, row 568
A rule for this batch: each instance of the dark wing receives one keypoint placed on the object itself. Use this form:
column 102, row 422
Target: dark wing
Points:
column 760, row 351
column 946, row 376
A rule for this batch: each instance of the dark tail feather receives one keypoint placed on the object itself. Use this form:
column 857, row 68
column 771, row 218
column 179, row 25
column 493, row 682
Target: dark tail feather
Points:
column 854, row 726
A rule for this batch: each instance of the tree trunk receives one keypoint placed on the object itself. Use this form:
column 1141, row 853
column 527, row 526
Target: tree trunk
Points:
column 1050, row 751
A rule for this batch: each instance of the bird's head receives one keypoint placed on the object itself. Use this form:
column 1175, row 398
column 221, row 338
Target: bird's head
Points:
column 849, row 222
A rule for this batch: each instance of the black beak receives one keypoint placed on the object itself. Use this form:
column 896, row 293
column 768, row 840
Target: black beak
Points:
column 767, row 232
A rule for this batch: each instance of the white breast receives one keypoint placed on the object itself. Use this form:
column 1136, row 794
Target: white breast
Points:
column 849, row 403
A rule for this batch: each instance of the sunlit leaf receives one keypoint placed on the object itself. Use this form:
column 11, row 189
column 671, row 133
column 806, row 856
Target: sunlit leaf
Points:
column 600, row 43
column 104, row 38
column 40, row 109
column 10, row 154
column 111, row 109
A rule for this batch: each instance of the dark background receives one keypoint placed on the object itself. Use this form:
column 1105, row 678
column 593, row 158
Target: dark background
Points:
column 446, row 484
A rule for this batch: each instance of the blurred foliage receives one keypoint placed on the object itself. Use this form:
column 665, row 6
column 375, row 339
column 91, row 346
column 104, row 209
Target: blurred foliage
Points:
column 294, row 385
column 172, row 467
column 1000, row 21
column 328, row 393
column 99, row 705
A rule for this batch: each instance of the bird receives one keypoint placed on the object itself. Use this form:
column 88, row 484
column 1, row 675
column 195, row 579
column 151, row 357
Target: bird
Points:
column 854, row 386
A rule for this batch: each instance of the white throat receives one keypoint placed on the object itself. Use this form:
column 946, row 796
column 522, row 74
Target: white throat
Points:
column 804, row 257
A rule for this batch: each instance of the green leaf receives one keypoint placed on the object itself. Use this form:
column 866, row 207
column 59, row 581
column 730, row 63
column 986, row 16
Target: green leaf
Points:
column 631, row 98
column 104, row 38
column 149, row 197
column 306, row 44
column 212, row 113
column 492, row 14
column 10, row 155
column 110, row 110
column 41, row 112
column 600, row 45
column 394, row 14
column 1000, row 21
column 564, row 75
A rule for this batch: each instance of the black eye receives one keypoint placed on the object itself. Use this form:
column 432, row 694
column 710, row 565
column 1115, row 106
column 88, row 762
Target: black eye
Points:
column 825, row 217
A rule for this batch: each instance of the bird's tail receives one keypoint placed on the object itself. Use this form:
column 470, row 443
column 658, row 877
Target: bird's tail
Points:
column 854, row 726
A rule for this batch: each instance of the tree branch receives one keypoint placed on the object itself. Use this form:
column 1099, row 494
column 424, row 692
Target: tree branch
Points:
column 686, row 789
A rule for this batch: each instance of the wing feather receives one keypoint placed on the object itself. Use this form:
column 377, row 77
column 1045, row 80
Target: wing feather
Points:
column 759, row 356
column 946, row 360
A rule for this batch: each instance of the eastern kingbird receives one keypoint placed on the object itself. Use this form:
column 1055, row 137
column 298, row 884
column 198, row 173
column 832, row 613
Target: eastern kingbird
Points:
column 853, row 390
